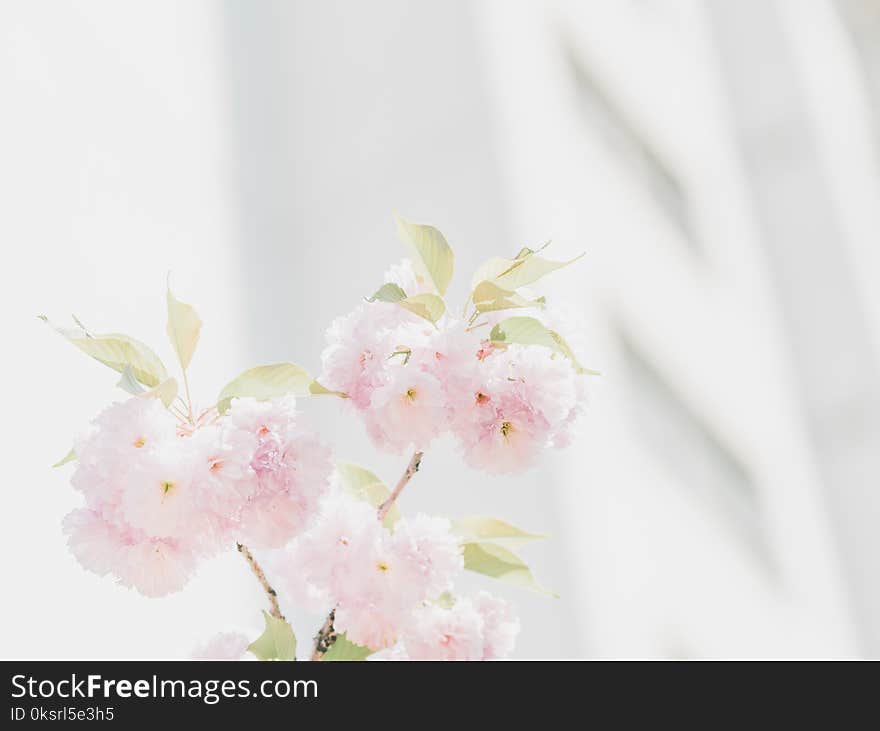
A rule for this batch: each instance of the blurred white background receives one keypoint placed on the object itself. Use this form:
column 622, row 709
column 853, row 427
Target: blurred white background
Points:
column 717, row 160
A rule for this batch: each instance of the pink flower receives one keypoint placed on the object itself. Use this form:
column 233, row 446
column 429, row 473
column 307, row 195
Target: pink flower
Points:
column 370, row 623
column 289, row 470
column 129, row 428
column 152, row 566
column 94, row 542
column 373, row 578
column 358, row 347
column 408, row 408
column 224, row 646
column 374, row 606
column 324, row 562
column 404, row 275
column 547, row 381
column 156, row 567
column 451, row 355
column 160, row 496
column 248, row 419
column 479, row 628
column 498, row 431
column 437, row 633
column 500, row 625
column 141, row 520
column 396, row 652
column 223, row 480
column 118, row 438
column 157, row 503
column 522, row 400
column 429, row 554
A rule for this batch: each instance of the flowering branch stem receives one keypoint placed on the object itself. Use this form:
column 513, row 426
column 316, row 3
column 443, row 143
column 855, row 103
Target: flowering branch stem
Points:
column 271, row 594
column 189, row 408
column 327, row 634
column 413, row 467
column 326, row 637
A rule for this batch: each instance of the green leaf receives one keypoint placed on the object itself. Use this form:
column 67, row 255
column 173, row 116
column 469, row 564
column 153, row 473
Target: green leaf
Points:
column 566, row 350
column 432, row 256
column 522, row 331
column 489, row 296
column 184, row 328
column 69, row 457
column 526, row 269
column 165, row 391
column 342, row 650
column 500, row 563
column 364, row 485
column 529, row 331
column 476, row 529
column 118, row 352
column 277, row 641
column 427, row 306
column 388, row 292
column 269, row 381
column 446, row 600
column 319, row 389
column 127, row 382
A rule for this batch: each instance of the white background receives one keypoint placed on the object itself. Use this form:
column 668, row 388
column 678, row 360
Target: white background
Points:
column 257, row 151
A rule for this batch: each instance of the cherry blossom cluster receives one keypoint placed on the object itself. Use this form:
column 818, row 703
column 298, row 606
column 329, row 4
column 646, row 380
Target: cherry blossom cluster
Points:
column 391, row 588
column 166, row 487
column 412, row 380
column 160, row 496
column 478, row 627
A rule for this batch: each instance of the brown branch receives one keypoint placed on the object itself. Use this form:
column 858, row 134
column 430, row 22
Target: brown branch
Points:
column 411, row 469
column 327, row 634
column 326, row 637
column 271, row 594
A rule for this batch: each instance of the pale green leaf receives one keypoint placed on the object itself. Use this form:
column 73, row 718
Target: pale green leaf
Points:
column 277, row 641
column 566, row 350
column 526, row 269
column 522, row 331
column 118, row 352
column 184, row 328
column 490, row 269
column 78, row 324
column 529, row 331
column 500, row 563
column 69, row 457
column 165, row 391
column 429, row 307
column 318, row 389
column 388, row 292
column 432, row 256
column 476, row 529
column 270, row 381
column 364, row 485
column 489, row 297
column 342, row 650
column 446, row 600
column 529, row 270
column 127, row 382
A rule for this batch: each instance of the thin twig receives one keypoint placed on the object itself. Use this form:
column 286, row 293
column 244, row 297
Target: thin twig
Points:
column 189, row 407
column 275, row 609
column 325, row 638
column 177, row 412
column 411, row 469
column 327, row 634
